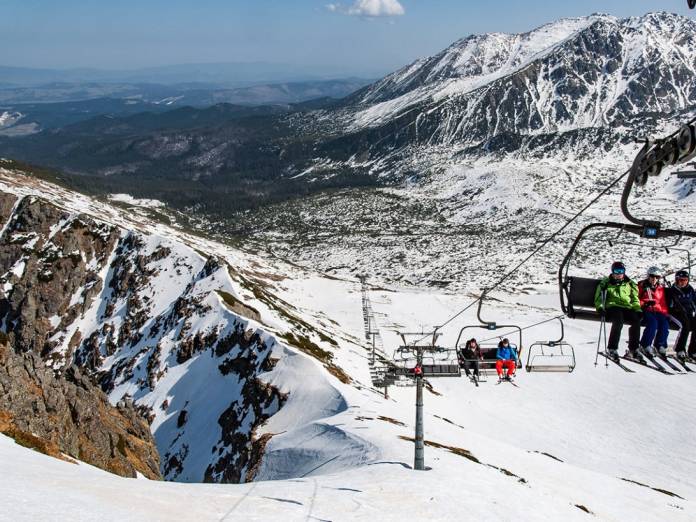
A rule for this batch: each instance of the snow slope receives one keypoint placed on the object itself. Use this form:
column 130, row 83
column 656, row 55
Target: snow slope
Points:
column 598, row 439
column 555, row 443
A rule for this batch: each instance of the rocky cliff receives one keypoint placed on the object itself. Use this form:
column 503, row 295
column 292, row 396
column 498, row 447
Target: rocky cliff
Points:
column 149, row 320
column 69, row 415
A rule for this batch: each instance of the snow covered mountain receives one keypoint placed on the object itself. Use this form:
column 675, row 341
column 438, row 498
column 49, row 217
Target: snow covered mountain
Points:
column 595, row 72
column 195, row 341
column 491, row 145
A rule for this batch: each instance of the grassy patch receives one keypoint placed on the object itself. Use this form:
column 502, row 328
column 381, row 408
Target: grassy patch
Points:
column 306, row 345
column 467, row 455
column 391, row 421
column 29, row 440
column 659, row 490
column 237, row 306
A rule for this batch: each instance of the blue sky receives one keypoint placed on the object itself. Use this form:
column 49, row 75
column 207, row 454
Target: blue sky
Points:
column 327, row 35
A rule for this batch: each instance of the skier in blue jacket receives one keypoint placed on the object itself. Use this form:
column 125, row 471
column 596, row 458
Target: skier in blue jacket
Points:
column 506, row 357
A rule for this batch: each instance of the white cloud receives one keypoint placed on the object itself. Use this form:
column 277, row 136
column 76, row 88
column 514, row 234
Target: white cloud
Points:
column 370, row 8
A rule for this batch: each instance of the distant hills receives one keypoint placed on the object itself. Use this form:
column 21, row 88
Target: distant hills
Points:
column 230, row 74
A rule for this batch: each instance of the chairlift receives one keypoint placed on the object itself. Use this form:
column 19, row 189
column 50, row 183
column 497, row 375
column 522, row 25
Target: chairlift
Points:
column 431, row 360
column 577, row 293
column 551, row 356
column 488, row 350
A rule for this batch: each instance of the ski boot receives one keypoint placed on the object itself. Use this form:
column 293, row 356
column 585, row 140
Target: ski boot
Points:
column 681, row 356
column 662, row 350
column 647, row 351
column 635, row 356
column 614, row 355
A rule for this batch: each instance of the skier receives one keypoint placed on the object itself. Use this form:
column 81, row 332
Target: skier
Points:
column 653, row 301
column 681, row 299
column 506, row 357
column 616, row 299
column 469, row 358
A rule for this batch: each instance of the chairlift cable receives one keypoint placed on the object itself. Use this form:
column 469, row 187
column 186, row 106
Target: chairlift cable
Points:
column 539, row 248
column 525, row 328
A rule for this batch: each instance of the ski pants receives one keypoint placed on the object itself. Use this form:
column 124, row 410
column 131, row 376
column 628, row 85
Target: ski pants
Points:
column 507, row 363
column 656, row 330
column 618, row 317
column 688, row 326
column 470, row 366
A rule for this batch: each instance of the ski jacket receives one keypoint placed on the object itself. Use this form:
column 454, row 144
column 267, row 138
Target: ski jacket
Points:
column 506, row 353
column 471, row 351
column 620, row 294
column 682, row 300
column 652, row 299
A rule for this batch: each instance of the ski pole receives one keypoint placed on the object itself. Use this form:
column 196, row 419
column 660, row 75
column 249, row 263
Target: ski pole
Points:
column 604, row 326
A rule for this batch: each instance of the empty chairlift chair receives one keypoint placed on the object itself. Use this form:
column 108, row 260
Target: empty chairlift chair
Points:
column 551, row 356
column 433, row 360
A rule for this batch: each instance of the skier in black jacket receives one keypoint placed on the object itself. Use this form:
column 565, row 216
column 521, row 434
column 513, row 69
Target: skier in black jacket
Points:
column 681, row 299
column 469, row 358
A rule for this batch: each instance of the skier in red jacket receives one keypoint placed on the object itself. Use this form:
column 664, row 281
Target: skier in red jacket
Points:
column 653, row 301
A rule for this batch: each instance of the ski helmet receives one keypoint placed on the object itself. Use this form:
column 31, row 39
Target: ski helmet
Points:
column 654, row 271
column 681, row 274
column 618, row 267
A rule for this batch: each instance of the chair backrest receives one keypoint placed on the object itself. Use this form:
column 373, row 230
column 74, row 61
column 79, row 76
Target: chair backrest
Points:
column 581, row 291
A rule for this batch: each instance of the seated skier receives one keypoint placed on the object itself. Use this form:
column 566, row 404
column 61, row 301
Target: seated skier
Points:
column 616, row 299
column 681, row 299
column 469, row 358
column 506, row 356
column 653, row 301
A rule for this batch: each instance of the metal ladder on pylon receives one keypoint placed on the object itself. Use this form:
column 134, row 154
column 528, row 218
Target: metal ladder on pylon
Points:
column 380, row 363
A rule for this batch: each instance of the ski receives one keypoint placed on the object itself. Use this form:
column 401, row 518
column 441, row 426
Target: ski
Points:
column 658, row 365
column 655, row 367
column 617, row 363
column 681, row 363
column 674, row 367
column 501, row 381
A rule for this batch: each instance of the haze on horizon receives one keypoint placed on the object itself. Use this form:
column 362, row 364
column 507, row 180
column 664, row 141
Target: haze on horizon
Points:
column 365, row 38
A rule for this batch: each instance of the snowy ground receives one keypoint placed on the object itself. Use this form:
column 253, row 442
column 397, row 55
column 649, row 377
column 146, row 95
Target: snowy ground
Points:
column 596, row 426
column 598, row 439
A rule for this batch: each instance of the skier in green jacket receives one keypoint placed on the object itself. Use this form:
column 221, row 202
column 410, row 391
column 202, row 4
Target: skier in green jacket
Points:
column 616, row 298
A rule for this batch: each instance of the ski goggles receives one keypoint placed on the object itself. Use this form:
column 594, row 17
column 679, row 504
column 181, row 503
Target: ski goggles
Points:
column 618, row 271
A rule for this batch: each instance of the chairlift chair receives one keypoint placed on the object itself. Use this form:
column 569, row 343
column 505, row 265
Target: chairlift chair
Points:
column 577, row 293
column 488, row 350
column 434, row 360
column 551, row 356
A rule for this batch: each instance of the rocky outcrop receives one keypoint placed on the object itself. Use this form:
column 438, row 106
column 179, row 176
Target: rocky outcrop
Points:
column 71, row 415
column 52, row 262
column 160, row 328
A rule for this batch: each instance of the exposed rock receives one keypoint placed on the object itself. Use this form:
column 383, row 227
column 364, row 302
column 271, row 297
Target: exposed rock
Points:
column 95, row 303
column 72, row 415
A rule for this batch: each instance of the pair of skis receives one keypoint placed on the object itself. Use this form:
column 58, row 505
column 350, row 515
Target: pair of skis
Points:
column 680, row 365
column 654, row 366
column 501, row 381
